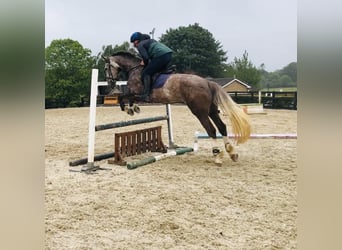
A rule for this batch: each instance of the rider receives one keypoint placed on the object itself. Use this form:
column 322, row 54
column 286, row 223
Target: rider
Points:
column 156, row 56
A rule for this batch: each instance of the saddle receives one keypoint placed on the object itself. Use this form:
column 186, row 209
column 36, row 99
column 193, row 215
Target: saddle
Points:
column 169, row 70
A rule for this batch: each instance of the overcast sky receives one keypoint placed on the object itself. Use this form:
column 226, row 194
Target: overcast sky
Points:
column 266, row 29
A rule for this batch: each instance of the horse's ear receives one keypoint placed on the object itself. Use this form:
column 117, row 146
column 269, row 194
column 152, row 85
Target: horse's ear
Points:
column 106, row 59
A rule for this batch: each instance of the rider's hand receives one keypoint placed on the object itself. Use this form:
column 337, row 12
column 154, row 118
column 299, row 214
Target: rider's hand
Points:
column 142, row 63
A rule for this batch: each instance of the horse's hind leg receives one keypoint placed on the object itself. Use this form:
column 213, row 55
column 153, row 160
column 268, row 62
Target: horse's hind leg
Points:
column 211, row 131
column 203, row 115
column 207, row 125
column 215, row 117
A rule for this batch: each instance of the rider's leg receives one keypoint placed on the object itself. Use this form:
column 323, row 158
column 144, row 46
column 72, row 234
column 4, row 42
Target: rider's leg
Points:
column 154, row 66
column 147, row 88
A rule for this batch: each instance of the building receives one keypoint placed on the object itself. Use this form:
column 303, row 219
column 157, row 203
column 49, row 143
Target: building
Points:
column 232, row 84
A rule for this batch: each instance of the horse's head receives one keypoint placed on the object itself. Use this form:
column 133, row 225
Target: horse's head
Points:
column 126, row 62
column 112, row 69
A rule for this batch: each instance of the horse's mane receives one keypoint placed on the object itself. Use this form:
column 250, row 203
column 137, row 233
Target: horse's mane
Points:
column 127, row 55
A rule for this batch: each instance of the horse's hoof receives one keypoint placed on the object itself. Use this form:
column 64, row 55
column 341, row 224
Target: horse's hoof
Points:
column 229, row 147
column 218, row 156
column 130, row 111
column 216, row 151
column 136, row 108
column 234, row 157
column 218, row 162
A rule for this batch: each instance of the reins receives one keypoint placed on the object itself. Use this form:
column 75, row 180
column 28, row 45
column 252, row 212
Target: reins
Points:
column 133, row 68
column 128, row 71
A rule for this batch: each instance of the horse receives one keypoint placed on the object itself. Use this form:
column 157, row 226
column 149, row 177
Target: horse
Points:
column 202, row 96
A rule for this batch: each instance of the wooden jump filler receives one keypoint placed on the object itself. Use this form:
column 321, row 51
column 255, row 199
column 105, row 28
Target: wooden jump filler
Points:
column 137, row 142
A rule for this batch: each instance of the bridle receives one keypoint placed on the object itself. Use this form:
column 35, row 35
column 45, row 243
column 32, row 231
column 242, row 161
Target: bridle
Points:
column 109, row 72
column 129, row 71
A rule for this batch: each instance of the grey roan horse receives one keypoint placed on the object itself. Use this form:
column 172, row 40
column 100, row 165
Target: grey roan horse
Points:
column 202, row 96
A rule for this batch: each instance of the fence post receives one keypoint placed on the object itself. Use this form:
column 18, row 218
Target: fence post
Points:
column 273, row 99
column 92, row 119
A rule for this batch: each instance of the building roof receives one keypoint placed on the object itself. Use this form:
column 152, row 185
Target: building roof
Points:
column 224, row 82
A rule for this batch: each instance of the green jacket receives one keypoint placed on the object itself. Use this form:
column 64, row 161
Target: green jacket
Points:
column 150, row 48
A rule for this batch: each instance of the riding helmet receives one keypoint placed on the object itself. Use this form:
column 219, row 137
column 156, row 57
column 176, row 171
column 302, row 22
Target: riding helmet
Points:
column 135, row 36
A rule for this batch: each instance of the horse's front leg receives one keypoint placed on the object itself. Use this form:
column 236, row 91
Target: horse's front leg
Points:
column 122, row 103
column 131, row 108
column 124, row 107
column 133, row 105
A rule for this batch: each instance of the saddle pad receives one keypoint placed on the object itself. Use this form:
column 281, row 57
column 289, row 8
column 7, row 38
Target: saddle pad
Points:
column 160, row 81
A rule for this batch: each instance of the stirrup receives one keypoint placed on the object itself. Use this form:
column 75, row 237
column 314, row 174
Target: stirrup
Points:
column 147, row 98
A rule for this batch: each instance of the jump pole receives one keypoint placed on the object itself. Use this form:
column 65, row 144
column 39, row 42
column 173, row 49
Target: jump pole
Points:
column 96, row 158
column 199, row 135
column 151, row 159
column 128, row 123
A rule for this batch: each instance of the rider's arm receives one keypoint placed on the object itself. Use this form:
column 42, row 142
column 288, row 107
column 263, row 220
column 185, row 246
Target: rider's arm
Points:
column 143, row 47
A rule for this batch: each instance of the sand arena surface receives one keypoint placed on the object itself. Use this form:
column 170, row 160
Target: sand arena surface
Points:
column 182, row 202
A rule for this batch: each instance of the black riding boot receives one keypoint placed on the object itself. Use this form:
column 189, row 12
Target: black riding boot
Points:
column 147, row 88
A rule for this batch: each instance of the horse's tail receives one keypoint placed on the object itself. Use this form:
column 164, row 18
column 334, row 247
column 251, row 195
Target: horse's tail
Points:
column 240, row 123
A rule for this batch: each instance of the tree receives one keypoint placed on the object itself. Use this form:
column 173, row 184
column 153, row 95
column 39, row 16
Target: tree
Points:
column 67, row 72
column 285, row 81
column 244, row 70
column 270, row 80
column 285, row 77
column 291, row 71
column 195, row 50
